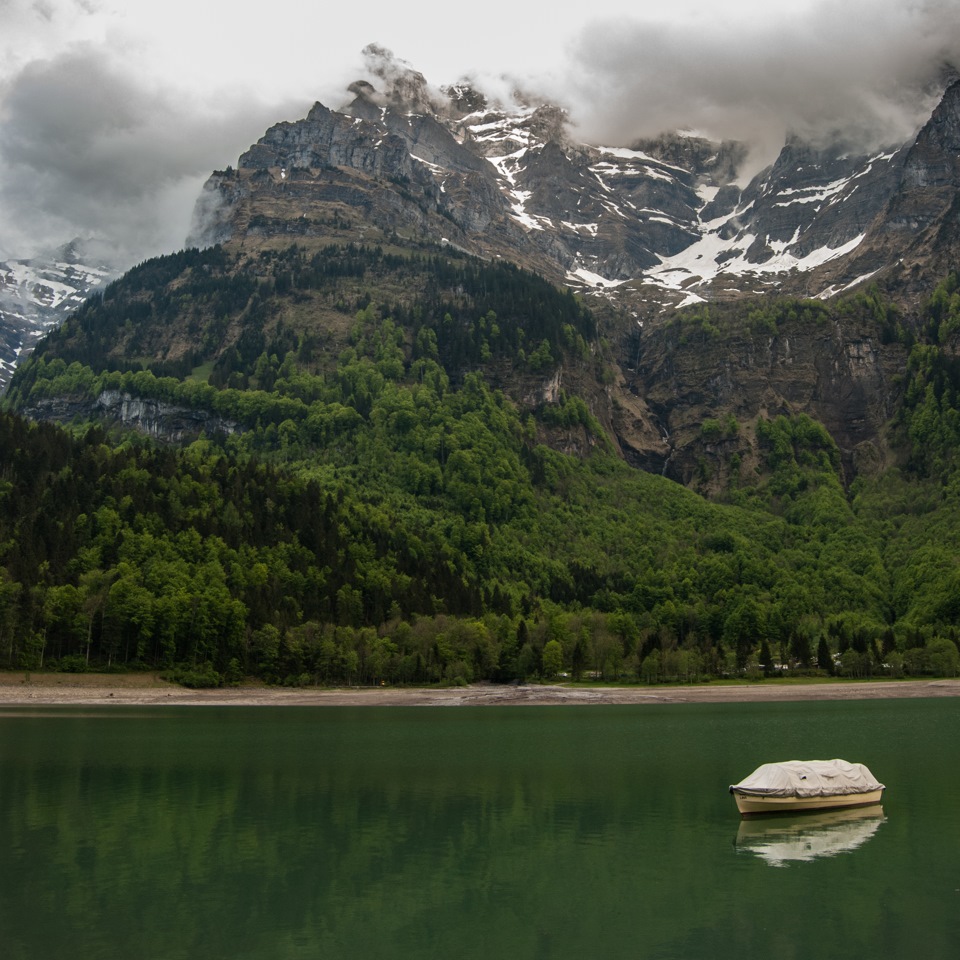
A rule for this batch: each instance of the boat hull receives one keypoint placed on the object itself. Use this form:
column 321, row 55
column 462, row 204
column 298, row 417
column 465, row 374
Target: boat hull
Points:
column 749, row 804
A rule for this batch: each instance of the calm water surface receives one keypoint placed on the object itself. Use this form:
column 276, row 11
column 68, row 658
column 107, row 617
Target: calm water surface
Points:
column 507, row 832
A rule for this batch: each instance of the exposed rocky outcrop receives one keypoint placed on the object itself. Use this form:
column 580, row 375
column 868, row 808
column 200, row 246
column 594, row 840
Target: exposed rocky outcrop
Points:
column 914, row 236
column 838, row 374
column 155, row 418
column 931, row 169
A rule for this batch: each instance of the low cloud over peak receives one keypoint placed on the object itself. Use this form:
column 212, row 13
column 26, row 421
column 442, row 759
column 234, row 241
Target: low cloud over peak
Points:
column 869, row 72
column 105, row 133
column 88, row 150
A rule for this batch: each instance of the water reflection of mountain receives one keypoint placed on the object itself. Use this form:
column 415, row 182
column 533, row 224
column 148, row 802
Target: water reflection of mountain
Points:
column 782, row 840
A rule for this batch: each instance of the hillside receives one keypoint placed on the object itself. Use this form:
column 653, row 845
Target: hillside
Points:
column 373, row 499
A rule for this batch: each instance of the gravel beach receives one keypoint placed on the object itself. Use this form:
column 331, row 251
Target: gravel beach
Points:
column 19, row 689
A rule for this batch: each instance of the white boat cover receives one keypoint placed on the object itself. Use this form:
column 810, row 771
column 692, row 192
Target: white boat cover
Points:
column 808, row 778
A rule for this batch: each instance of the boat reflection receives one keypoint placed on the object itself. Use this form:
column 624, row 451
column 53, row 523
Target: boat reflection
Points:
column 781, row 840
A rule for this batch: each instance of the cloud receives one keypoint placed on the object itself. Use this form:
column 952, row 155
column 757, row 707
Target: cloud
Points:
column 869, row 69
column 86, row 149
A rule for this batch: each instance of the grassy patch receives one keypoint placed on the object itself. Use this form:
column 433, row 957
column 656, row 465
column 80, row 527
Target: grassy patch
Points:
column 202, row 372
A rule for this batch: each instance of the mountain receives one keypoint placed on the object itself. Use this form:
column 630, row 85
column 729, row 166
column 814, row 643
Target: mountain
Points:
column 37, row 294
column 663, row 222
column 637, row 232
column 382, row 421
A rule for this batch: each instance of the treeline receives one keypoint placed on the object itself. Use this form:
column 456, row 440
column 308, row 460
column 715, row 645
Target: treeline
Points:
column 771, row 315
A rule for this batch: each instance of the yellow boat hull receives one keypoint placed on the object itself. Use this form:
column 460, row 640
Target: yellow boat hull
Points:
column 748, row 804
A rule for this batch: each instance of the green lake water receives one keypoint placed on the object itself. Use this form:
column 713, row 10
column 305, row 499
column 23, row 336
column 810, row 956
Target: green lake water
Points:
column 505, row 832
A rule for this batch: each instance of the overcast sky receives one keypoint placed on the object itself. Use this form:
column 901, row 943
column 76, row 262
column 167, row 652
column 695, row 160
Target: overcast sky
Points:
column 113, row 112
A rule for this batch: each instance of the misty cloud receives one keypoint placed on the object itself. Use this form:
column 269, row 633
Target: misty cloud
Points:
column 86, row 150
column 868, row 70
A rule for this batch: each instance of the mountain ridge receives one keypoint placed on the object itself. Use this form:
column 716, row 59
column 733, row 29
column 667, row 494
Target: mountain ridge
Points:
column 636, row 231
column 660, row 224
column 355, row 440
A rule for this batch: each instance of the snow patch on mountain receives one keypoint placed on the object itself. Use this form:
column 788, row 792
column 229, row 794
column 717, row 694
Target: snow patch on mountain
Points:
column 37, row 295
column 712, row 256
column 673, row 214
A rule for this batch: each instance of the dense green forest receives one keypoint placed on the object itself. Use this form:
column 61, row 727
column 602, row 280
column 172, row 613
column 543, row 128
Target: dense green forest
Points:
column 238, row 314
column 385, row 512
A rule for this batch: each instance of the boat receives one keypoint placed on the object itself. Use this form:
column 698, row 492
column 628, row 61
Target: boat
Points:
column 794, row 786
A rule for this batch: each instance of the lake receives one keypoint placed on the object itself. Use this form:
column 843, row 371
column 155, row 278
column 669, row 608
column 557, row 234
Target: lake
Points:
column 504, row 832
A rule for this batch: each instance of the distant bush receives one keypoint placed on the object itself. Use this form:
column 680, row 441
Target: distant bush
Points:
column 73, row 664
column 196, row 678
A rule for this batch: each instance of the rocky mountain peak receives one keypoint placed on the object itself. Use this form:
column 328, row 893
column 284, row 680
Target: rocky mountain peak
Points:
column 368, row 102
column 915, row 234
column 549, row 122
column 661, row 223
column 717, row 163
column 38, row 293
column 934, row 159
column 400, row 86
column 465, row 98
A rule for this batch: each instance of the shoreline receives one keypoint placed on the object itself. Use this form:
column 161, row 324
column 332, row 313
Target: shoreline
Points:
column 19, row 689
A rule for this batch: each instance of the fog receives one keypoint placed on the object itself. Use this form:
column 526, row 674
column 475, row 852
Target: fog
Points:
column 89, row 151
column 866, row 72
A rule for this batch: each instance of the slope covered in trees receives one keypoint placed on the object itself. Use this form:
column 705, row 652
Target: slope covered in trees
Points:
column 177, row 312
column 385, row 512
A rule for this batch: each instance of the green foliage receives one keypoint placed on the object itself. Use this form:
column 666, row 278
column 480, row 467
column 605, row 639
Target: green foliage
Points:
column 237, row 313
column 410, row 548
column 713, row 429
column 930, row 417
column 804, row 462
column 703, row 324
column 383, row 513
column 942, row 311
column 196, row 678
column 872, row 306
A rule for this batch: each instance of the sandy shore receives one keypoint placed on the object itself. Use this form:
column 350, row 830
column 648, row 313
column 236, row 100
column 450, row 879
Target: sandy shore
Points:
column 149, row 690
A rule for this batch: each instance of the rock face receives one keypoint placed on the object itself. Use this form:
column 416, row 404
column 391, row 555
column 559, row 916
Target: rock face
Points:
column 931, row 169
column 155, row 418
column 840, row 375
column 661, row 223
column 914, row 236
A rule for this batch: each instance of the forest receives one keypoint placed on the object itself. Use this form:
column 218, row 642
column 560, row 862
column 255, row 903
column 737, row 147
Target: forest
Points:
column 388, row 514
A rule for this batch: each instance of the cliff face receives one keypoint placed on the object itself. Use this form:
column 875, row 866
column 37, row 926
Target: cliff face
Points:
column 931, row 169
column 914, row 239
column 155, row 418
column 689, row 378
